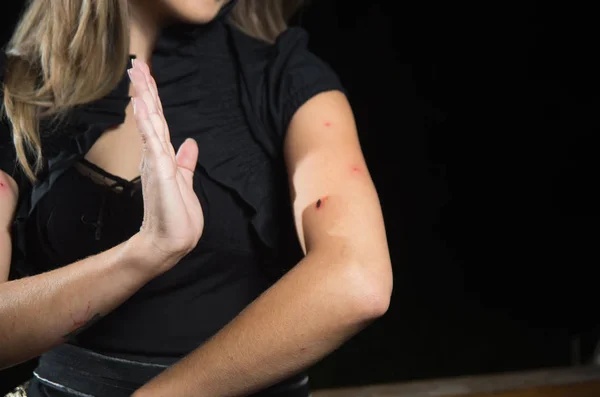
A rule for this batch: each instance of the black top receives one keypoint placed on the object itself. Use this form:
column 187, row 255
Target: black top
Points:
column 235, row 95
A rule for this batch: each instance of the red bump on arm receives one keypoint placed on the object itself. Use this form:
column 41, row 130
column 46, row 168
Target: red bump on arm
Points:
column 327, row 124
column 356, row 170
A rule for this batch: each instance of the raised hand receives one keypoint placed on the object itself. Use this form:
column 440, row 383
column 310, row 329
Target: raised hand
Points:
column 173, row 217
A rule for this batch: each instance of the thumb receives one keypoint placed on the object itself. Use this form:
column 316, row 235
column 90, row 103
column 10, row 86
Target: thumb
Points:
column 187, row 158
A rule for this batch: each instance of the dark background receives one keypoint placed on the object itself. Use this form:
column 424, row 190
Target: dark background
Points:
column 477, row 121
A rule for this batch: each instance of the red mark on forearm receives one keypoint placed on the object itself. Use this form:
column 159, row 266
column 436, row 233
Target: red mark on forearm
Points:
column 84, row 324
column 79, row 323
column 321, row 202
column 327, row 124
column 1, row 184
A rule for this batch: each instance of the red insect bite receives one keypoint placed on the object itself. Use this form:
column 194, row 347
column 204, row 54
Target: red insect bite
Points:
column 327, row 124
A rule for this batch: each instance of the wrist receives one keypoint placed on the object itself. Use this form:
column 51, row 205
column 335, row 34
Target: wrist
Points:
column 147, row 257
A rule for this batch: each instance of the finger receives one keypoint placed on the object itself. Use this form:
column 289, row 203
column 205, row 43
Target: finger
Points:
column 150, row 141
column 187, row 158
column 142, row 92
column 191, row 201
column 150, row 81
column 153, row 88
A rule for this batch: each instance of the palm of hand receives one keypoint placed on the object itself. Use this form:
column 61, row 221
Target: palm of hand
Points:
column 173, row 215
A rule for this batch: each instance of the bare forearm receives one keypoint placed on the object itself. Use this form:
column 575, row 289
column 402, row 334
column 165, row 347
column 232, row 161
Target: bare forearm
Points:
column 9, row 194
column 309, row 313
column 42, row 311
column 5, row 254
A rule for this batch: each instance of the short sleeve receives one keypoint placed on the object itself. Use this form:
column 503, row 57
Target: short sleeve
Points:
column 295, row 75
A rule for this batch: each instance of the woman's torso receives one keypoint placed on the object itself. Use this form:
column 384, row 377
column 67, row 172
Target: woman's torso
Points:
column 92, row 208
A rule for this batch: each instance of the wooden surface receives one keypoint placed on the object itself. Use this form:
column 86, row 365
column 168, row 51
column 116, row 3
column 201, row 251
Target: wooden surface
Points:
column 567, row 382
column 586, row 389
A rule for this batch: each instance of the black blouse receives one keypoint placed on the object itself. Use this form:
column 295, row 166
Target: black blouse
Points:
column 236, row 96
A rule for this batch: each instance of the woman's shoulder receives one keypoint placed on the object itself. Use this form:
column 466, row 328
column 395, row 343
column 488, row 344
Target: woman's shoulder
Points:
column 290, row 45
column 285, row 73
column 301, row 72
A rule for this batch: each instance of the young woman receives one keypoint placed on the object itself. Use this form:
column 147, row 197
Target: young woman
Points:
column 156, row 158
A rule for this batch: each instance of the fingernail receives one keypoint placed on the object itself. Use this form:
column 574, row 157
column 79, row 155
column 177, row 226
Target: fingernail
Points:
column 133, row 103
column 129, row 73
column 133, row 63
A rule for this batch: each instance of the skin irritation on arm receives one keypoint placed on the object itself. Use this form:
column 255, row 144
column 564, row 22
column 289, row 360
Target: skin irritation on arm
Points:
column 341, row 285
column 336, row 206
column 354, row 170
column 82, row 322
column 79, row 323
column 5, row 185
column 332, row 208
column 8, row 186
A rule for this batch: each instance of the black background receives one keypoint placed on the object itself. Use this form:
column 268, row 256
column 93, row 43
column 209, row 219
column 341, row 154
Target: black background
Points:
column 478, row 123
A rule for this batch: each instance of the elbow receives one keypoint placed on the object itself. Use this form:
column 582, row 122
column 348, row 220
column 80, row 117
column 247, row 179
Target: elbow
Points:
column 377, row 303
column 382, row 305
column 372, row 291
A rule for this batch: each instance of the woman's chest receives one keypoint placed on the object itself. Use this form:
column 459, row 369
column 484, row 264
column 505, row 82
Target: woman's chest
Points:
column 205, row 103
column 97, row 203
column 82, row 215
column 235, row 178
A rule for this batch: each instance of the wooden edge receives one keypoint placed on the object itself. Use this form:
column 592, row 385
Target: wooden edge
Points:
column 471, row 384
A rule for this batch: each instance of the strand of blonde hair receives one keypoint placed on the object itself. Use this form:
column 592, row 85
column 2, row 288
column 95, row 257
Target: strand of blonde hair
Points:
column 65, row 53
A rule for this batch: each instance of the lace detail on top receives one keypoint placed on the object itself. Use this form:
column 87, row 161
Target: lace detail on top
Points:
column 113, row 184
column 102, row 177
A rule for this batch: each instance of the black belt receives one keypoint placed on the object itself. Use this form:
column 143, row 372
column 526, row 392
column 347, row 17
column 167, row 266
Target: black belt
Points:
column 74, row 371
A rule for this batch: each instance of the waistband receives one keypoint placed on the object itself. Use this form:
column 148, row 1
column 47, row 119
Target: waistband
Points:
column 80, row 372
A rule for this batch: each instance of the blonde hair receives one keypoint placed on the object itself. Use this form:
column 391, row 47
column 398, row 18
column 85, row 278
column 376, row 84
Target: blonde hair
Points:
column 65, row 53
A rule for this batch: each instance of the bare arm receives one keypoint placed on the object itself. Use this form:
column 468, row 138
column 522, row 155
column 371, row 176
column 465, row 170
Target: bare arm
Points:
column 342, row 284
column 42, row 311
column 9, row 194
column 5, row 254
